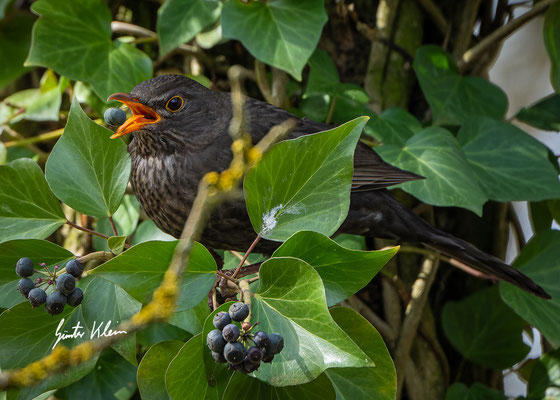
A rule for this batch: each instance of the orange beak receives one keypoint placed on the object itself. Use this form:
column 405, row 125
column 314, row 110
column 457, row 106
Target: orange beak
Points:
column 141, row 114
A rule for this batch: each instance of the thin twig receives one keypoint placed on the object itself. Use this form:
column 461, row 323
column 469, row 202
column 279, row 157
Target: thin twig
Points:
column 225, row 276
column 20, row 138
column 249, row 250
column 383, row 327
column 262, row 80
column 413, row 314
column 435, row 14
column 113, row 226
column 520, row 235
column 239, row 256
column 97, row 255
column 332, row 107
column 90, row 231
column 471, row 55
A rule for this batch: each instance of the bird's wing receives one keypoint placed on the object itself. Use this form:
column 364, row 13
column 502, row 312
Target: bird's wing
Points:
column 370, row 171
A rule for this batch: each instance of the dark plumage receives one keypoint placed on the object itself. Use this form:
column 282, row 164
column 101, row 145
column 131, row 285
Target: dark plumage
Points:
column 170, row 156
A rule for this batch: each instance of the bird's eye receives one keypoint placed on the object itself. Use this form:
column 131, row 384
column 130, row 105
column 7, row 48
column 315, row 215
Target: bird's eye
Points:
column 174, row 104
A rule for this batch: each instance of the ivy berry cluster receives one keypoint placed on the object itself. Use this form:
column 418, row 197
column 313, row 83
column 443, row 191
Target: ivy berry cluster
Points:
column 230, row 344
column 66, row 291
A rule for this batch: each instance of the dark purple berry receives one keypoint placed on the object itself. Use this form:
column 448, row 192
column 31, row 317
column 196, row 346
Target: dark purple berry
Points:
column 268, row 356
column 75, row 268
column 65, row 283
column 276, row 343
column 221, row 319
column 237, row 367
column 39, row 280
column 251, row 366
column 238, row 311
column 231, row 333
column 24, row 267
column 75, row 298
column 219, row 357
column 114, row 116
column 215, row 341
column 55, row 303
column 234, row 352
column 25, row 285
column 261, row 339
column 254, row 354
column 37, row 297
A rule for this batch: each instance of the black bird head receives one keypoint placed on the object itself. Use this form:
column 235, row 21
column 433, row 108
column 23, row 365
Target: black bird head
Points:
column 165, row 103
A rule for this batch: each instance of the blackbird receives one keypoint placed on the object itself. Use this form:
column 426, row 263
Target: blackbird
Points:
column 181, row 133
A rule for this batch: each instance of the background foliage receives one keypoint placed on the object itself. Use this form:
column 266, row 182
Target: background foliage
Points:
column 417, row 69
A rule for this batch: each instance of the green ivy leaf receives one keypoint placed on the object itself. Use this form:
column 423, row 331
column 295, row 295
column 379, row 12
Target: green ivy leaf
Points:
column 39, row 251
column 313, row 341
column 116, row 244
column 551, row 34
column 303, row 184
column 107, row 305
column 539, row 261
column 543, row 114
column 191, row 320
column 435, row 154
column 112, row 378
column 87, row 170
column 84, row 51
column 394, row 126
column 379, row 382
column 147, row 230
column 15, row 39
column 159, row 332
column 342, row 270
column 29, row 210
column 140, row 270
column 323, row 76
column 152, row 368
column 56, row 381
column 458, row 391
column 243, row 387
column 485, row 330
column 19, row 333
column 544, row 382
column 543, row 213
column 510, row 164
column 454, row 98
column 292, row 25
column 180, row 20
column 185, row 378
column 38, row 105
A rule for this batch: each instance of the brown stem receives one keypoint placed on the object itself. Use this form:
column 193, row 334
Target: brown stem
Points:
column 83, row 228
column 471, row 55
column 435, row 14
column 383, row 327
column 332, row 106
column 229, row 278
column 413, row 314
column 249, row 250
column 98, row 255
column 113, row 226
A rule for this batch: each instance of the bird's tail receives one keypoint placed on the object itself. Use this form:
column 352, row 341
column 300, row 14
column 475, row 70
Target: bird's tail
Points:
column 390, row 219
column 486, row 263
